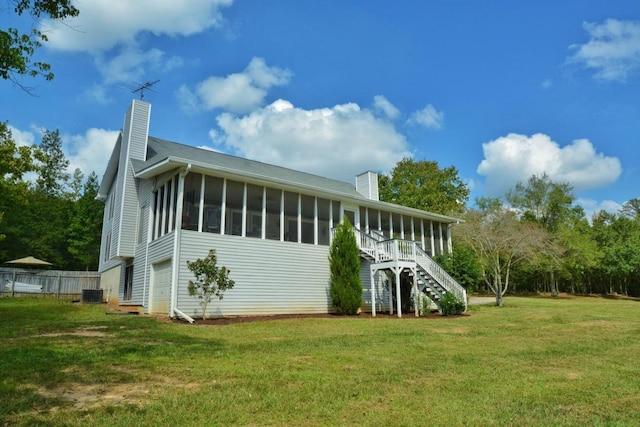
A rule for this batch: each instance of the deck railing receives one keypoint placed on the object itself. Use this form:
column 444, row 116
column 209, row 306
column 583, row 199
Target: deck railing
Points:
column 408, row 251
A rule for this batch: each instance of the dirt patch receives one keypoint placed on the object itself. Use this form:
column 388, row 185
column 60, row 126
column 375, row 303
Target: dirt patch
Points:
column 84, row 331
column 84, row 396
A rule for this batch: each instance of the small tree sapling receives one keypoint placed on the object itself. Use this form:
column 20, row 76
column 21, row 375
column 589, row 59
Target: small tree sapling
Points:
column 211, row 281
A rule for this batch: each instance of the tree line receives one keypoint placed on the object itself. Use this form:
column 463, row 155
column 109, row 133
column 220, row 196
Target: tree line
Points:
column 45, row 211
column 533, row 239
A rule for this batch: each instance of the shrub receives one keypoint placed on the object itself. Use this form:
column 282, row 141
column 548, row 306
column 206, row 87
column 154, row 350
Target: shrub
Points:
column 451, row 304
column 344, row 261
column 211, row 280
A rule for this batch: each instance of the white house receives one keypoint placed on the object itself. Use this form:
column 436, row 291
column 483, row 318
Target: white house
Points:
column 166, row 203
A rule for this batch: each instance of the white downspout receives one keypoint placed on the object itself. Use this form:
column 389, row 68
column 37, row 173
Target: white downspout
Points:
column 173, row 309
column 184, row 316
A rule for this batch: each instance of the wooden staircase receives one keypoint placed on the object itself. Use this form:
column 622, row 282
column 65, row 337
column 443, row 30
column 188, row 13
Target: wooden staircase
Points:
column 405, row 256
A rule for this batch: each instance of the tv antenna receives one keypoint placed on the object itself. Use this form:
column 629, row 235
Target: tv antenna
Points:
column 144, row 86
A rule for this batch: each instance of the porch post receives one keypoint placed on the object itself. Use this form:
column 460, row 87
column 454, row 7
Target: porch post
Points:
column 416, row 295
column 433, row 246
column 373, row 295
column 390, row 294
column 398, row 298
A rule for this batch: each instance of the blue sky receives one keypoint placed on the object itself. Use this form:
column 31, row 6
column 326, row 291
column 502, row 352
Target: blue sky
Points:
column 499, row 89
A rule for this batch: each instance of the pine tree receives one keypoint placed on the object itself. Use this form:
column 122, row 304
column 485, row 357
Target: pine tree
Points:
column 344, row 260
column 86, row 227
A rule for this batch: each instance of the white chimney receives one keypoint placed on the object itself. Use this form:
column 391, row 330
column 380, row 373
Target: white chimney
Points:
column 367, row 185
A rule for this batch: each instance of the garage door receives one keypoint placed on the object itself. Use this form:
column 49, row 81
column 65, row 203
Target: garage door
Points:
column 161, row 288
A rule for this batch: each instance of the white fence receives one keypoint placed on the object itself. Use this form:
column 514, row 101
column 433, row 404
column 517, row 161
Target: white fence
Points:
column 16, row 282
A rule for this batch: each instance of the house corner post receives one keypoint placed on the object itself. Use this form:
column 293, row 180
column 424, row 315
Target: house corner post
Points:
column 390, row 286
column 373, row 276
column 398, row 297
column 416, row 295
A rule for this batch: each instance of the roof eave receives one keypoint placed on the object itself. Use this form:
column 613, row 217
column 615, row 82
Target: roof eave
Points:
column 111, row 170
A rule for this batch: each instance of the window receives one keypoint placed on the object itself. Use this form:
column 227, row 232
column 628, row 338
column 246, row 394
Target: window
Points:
column 396, row 222
column 373, row 220
column 212, row 204
column 417, row 230
column 291, row 216
column 107, row 247
column 254, row 211
column 428, row 237
column 407, row 227
column 385, row 223
column 191, row 203
column 335, row 213
column 159, row 211
column 128, row 283
column 164, row 209
column 235, row 199
column 111, row 205
column 307, row 216
column 323, row 221
column 274, row 199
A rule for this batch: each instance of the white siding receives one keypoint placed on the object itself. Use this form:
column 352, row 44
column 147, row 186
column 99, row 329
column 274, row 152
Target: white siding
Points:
column 271, row 277
column 140, row 272
column 106, row 261
column 134, row 146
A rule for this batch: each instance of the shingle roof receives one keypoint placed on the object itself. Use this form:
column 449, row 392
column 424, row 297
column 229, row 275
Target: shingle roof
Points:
column 160, row 150
column 163, row 154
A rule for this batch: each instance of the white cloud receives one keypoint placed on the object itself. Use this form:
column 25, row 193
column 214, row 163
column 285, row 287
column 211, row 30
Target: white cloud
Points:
column 263, row 76
column 336, row 142
column 428, row 117
column 90, row 152
column 104, row 24
column 546, row 84
column 131, row 62
column 514, row 158
column 613, row 49
column 22, row 138
column 380, row 103
column 237, row 92
column 592, row 207
column 97, row 93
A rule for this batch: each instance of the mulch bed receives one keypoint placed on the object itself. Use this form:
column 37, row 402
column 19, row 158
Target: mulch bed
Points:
column 219, row 321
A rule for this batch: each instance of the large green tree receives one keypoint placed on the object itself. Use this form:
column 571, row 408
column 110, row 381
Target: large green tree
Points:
column 85, row 227
column 631, row 208
column 543, row 201
column 548, row 204
column 619, row 238
column 17, row 48
column 424, row 185
column 51, row 165
column 15, row 162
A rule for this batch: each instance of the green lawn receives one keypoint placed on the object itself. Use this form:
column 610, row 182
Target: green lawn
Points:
column 537, row 361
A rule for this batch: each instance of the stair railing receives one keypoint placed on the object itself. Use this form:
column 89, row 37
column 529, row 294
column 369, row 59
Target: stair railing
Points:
column 440, row 275
column 410, row 251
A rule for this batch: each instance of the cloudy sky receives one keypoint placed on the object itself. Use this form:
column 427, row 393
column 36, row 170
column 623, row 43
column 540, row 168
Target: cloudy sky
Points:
column 500, row 90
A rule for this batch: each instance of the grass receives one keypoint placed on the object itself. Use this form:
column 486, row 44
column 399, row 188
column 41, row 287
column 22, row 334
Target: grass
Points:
column 537, row 361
